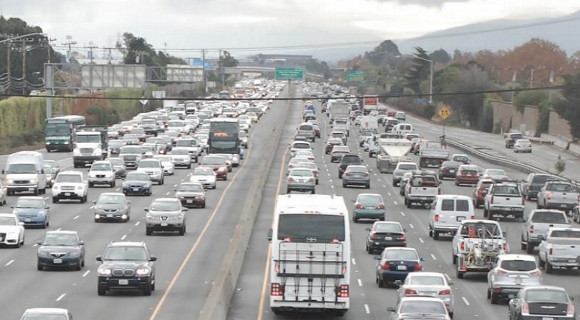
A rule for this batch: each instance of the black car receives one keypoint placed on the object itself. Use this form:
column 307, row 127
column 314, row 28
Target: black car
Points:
column 533, row 183
column 61, row 249
column 137, row 183
column 448, row 169
column 347, row 160
column 541, row 302
column 126, row 266
column 385, row 234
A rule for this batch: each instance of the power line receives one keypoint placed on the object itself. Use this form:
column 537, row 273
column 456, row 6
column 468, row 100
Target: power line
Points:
column 440, row 94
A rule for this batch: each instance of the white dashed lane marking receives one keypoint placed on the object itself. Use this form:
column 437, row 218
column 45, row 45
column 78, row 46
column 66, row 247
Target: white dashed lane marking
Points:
column 9, row 263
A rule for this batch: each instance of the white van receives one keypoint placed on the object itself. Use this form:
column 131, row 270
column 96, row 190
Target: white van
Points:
column 24, row 171
column 447, row 212
column 403, row 128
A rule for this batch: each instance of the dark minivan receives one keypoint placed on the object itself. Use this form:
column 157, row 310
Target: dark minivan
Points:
column 346, row 160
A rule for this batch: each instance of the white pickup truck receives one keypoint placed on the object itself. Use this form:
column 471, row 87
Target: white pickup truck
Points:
column 504, row 199
column 537, row 224
column 561, row 195
column 421, row 188
column 560, row 249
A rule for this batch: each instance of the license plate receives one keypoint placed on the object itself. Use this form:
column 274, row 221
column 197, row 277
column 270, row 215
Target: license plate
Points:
column 388, row 238
column 57, row 260
column 451, row 171
column 30, row 189
column 27, row 220
column 461, row 218
column 547, row 318
column 189, row 201
column 164, row 224
column 123, row 282
column 67, row 194
column 136, row 189
column 109, row 215
column 401, row 267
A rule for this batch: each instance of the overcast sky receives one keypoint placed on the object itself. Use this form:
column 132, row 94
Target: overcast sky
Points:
column 263, row 23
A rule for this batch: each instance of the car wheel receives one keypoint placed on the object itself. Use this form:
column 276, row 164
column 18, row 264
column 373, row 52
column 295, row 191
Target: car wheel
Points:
column 91, row 185
column 189, row 166
column 435, row 235
column 368, row 186
column 460, row 274
column 355, row 219
column 203, row 205
column 394, row 183
column 380, row 282
column 530, row 248
column 494, row 299
column 453, row 258
column 182, row 230
column 39, row 267
column 148, row 231
column 79, row 266
column 541, row 263
column 485, row 213
column 523, row 245
column 84, row 199
column 147, row 289
column 549, row 267
column 113, row 184
column 343, row 184
column 101, row 291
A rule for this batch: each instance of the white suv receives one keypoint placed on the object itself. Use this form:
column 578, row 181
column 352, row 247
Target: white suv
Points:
column 101, row 172
column 70, row 185
column 153, row 168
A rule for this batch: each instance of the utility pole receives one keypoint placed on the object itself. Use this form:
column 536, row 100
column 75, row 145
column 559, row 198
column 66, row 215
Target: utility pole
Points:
column 24, row 66
column 9, row 68
column 69, row 43
column 203, row 70
column 221, row 70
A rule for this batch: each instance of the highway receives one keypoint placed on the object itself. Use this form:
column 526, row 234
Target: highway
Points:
column 187, row 266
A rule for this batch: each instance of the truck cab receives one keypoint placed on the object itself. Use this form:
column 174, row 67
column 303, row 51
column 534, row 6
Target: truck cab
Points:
column 91, row 144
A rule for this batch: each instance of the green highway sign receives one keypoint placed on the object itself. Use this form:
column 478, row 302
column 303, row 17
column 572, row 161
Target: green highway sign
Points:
column 289, row 74
column 355, row 76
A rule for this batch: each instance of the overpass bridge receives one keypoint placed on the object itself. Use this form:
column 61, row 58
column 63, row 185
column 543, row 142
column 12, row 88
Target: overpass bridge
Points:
column 263, row 71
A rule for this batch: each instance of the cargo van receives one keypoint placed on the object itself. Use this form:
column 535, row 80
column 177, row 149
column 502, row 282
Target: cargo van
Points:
column 307, row 129
column 402, row 128
column 447, row 212
column 24, row 172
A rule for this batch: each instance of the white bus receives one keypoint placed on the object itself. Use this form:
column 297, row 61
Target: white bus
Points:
column 310, row 267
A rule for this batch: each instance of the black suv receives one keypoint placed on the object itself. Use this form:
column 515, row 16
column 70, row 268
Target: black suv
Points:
column 345, row 161
column 126, row 266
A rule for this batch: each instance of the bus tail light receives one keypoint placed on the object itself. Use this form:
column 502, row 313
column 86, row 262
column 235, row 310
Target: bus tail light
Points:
column 343, row 291
column 276, row 289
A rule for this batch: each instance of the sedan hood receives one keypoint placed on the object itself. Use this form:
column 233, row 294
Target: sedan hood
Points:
column 109, row 206
column 9, row 229
column 114, row 264
column 59, row 249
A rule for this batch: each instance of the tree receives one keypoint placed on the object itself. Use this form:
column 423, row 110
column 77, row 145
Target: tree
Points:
column 440, row 56
column 136, row 50
column 529, row 98
column 227, row 60
column 569, row 106
column 419, row 70
column 380, row 52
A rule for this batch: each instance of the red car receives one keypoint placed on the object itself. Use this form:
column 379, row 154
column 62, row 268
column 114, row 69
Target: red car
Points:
column 480, row 191
column 467, row 174
column 218, row 164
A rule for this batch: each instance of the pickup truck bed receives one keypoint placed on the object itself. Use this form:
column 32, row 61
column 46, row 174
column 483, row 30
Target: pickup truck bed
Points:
column 561, row 249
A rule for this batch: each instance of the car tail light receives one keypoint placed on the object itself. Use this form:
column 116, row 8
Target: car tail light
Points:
column 536, row 273
column 287, row 239
column 497, row 290
column 276, row 289
column 445, row 292
column 436, row 218
column 380, row 206
column 570, row 310
column 346, row 174
column 343, row 291
column 491, row 200
column 462, row 246
column 291, row 166
column 386, row 265
column 472, row 217
column 374, row 237
column 549, row 195
column 359, row 206
column 315, row 171
column 523, row 200
column 501, row 272
column 438, row 190
column 505, row 247
column 418, row 267
column 310, row 179
column 532, row 229
column 410, row 292
column 525, row 308
column 551, row 251
column 402, row 238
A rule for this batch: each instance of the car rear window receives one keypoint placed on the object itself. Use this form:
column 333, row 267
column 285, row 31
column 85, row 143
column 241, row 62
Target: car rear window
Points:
column 548, row 216
column 541, row 178
column 306, row 127
column 448, row 205
column 566, row 234
column 554, row 296
column 408, row 167
column 350, row 159
column 562, row 187
column 506, row 190
column 518, row 265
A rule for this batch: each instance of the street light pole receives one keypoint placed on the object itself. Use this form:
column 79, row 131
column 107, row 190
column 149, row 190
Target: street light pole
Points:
column 430, row 78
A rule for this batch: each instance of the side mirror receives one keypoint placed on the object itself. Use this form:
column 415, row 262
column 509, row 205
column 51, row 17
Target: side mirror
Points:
column 421, row 259
column 39, row 243
column 81, row 242
column 3, row 172
column 390, row 309
column 42, row 171
column 47, row 207
column 94, row 201
column 12, row 207
column 146, row 209
column 377, row 257
column 398, row 283
column 269, row 235
column 152, row 258
column 99, row 258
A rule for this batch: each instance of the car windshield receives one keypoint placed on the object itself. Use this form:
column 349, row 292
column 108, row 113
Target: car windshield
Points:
column 423, row 307
column 116, row 161
column 553, row 296
column 60, row 239
column 388, row 227
column 549, row 216
column 72, row 178
column 213, row 160
column 137, row 176
column 29, row 203
column 559, row 187
column 186, row 143
column 101, row 167
column 202, row 172
column 400, row 255
column 44, row 316
column 7, row 221
column 301, row 173
column 407, row 167
column 427, row 280
column 111, row 198
column 190, row 187
column 341, row 149
column 148, row 164
column 165, row 206
column 163, row 158
column 128, row 253
column 518, row 265
column 21, row 168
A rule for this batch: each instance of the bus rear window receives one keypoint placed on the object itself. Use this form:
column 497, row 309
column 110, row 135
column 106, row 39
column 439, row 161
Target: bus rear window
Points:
column 309, row 227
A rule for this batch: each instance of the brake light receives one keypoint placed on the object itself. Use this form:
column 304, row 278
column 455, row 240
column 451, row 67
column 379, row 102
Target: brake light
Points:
column 290, row 179
column 310, row 179
column 438, row 190
column 445, row 292
column 343, row 291
column 380, row 206
column 570, row 310
column 418, row 267
column 276, row 289
column 436, row 218
column 462, row 246
column 535, row 273
column 532, row 229
column 491, row 200
column 551, row 251
column 402, row 238
column 472, row 217
column 505, row 247
column 374, row 237
column 335, row 240
column 385, row 265
column 366, row 174
column 291, row 166
column 287, row 239
column 410, row 291
column 523, row 201
column 359, row 206
column 346, row 174
column 525, row 308
column 549, row 195
column 315, row 171
column 501, row 272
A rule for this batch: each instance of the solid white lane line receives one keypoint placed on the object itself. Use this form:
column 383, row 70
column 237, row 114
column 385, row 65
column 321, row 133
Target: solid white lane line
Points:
column 353, row 261
column 9, row 263
column 123, row 237
column 117, row 189
column 433, row 257
column 465, row 301
column 421, row 240
column 76, row 217
column 411, row 225
column 86, row 273
column 447, row 276
column 367, row 309
column 61, row 296
column 137, row 223
column 402, row 213
column 359, row 282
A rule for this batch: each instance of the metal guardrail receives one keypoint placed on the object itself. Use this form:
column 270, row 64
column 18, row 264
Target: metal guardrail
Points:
column 504, row 161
